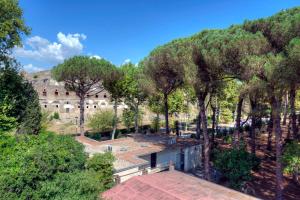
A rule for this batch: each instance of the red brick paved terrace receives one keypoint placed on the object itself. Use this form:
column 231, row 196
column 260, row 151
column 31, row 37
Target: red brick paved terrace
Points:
column 171, row 185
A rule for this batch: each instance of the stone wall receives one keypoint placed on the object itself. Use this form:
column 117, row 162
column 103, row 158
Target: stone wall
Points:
column 54, row 97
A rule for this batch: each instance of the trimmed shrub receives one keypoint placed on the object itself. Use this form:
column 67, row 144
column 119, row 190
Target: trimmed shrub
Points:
column 235, row 165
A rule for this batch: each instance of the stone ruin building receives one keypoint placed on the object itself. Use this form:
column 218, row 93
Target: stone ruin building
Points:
column 54, row 97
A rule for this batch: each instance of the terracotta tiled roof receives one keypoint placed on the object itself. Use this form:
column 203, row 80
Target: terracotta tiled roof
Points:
column 171, row 185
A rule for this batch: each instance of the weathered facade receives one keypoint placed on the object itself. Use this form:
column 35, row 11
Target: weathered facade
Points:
column 54, row 97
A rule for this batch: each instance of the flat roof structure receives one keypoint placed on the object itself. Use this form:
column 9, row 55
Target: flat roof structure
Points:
column 171, row 185
column 128, row 151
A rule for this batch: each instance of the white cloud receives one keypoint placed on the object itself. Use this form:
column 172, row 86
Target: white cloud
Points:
column 126, row 61
column 32, row 68
column 96, row 56
column 40, row 49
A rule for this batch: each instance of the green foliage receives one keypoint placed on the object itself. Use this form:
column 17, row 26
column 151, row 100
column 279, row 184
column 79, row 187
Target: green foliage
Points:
column 128, row 118
column 31, row 119
column 227, row 100
column 55, row 115
column 82, row 74
column 177, row 102
column 46, row 118
column 77, row 185
column 156, row 124
column 87, row 70
column 291, row 158
column 102, row 164
column 22, row 100
column 279, row 29
column 133, row 85
column 235, row 165
column 12, row 25
column 7, row 123
column 102, row 121
column 228, row 139
column 164, row 70
column 155, row 104
column 49, row 166
column 113, row 83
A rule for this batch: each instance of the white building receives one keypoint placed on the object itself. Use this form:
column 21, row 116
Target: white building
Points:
column 147, row 154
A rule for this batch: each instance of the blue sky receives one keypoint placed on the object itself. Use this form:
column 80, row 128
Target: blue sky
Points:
column 124, row 30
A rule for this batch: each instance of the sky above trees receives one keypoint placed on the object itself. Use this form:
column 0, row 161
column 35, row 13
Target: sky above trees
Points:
column 120, row 31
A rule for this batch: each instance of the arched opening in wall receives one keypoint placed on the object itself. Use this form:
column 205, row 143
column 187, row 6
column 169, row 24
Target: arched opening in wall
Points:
column 88, row 96
column 104, row 95
column 45, row 106
column 67, row 93
column 57, row 106
column 44, row 92
column 95, row 106
column 67, row 102
column 96, row 95
column 87, row 106
column 78, row 106
column 56, row 93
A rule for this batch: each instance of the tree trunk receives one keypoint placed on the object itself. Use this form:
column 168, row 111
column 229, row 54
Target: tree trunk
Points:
column 285, row 108
column 270, row 131
column 166, row 113
column 206, row 138
column 236, row 135
column 158, row 123
column 289, row 129
column 81, row 116
column 277, row 128
column 253, row 126
column 136, row 119
column 198, row 126
column 293, row 111
column 115, row 122
column 217, row 118
column 213, row 124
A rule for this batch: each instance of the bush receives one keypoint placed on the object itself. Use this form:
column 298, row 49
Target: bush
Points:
column 228, row 139
column 235, row 165
column 45, row 120
column 22, row 99
column 32, row 117
column 155, row 124
column 77, row 185
column 7, row 123
column 128, row 118
column 48, row 166
column 226, row 115
column 102, row 121
column 56, row 115
column 291, row 160
column 102, row 164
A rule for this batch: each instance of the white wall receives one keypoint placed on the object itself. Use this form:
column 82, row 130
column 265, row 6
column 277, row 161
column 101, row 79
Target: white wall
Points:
column 127, row 174
column 192, row 157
